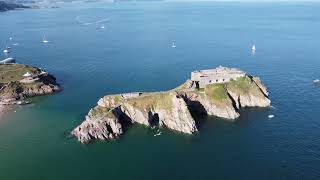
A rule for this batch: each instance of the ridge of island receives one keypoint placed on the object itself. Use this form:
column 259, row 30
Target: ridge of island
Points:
column 219, row 92
column 18, row 82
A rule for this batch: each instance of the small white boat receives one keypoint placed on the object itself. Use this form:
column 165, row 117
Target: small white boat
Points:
column 7, row 50
column 253, row 48
column 270, row 116
column 316, row 81
column 45, row 40
column 173, row 45
column 158, row 134
column 10, row 38
column 102, row 27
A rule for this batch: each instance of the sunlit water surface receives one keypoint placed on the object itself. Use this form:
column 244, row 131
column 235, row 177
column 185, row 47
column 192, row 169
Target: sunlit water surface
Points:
column 133, row 53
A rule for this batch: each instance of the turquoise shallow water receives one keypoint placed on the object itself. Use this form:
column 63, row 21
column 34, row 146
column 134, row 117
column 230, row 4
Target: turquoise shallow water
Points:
column 133, row 53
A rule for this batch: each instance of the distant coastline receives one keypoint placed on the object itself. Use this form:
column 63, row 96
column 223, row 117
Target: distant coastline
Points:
column 4, row 6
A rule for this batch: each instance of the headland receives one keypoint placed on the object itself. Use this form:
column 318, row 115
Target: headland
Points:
column 220, row 92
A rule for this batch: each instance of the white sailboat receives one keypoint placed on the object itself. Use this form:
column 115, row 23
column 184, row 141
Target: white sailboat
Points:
column 7, row 50
column 45, row 40
column 253, row 48
column 173, row 45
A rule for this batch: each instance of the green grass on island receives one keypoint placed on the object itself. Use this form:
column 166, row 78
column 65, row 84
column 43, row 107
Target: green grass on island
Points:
column 243, row 85
column 216, row 92
column 161, row 100
column 99, row 111
column 14, row 72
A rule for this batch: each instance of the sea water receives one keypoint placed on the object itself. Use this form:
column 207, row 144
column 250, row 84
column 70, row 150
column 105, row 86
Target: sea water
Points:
column 133, row 53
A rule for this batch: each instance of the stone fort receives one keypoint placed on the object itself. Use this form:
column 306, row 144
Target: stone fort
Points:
column 217, row 75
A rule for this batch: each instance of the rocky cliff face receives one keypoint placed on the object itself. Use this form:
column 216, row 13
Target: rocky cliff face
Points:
column 15, row 89
column 174, row 109
column 213, row 108
column 99, row 124
column 105, row 121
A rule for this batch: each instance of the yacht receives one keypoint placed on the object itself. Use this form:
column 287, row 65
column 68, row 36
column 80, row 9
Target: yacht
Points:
column 45, row 40
column 173, row 45
column 253, row 48
column 316, row 81
column 7, row 50
column 270, row 116
column 102, row 27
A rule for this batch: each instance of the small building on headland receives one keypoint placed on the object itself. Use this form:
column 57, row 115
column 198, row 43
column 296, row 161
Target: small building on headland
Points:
column 8, row 61
column 217, row 75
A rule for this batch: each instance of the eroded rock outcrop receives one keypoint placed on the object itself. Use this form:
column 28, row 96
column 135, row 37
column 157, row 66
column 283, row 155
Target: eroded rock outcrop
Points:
column 16, row 86
column 99, row 124
column 173, row 109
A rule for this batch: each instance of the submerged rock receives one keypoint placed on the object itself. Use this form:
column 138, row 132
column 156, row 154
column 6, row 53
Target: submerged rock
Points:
column 175, row 109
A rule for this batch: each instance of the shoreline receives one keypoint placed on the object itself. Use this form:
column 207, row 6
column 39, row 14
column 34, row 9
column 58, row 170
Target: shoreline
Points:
column 4, row 109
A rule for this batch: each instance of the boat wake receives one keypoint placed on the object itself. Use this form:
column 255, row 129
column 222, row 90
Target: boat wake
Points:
column 93, row 22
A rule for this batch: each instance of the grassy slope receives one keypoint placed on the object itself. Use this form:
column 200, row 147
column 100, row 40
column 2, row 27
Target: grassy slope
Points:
column 14, row 72
column 244, row 85
column 101, row 111
column 153, row 100
column 216, row 92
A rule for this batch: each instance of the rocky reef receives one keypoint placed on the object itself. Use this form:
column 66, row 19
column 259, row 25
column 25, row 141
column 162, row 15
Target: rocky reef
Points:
column 18, row 82
column 176, row 109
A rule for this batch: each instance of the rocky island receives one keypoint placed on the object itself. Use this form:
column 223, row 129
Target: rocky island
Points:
column 4, row 6
column 19, row 82
column 220, row 92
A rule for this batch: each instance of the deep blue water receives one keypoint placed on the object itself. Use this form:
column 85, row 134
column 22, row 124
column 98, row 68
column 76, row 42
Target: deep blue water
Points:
column 133, row 53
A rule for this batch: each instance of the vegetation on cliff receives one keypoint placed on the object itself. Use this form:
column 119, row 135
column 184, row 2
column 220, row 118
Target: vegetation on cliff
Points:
column 172, row 109
column 243, row 85
column 15, row 86
column 149, row 101
column 15, row 72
